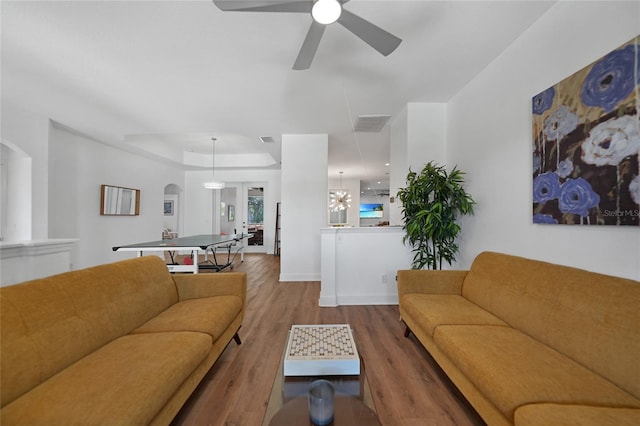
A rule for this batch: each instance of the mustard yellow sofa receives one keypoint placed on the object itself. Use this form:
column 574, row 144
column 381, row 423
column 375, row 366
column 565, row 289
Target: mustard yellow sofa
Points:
column 124, row 343
column 531, row 343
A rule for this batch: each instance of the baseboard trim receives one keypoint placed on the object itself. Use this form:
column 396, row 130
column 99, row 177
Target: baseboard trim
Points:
column 382, row 299
column 299, row 277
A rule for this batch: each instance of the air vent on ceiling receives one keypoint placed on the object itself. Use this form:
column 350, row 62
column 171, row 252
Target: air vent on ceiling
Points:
column 370, row 123
column 267, row 139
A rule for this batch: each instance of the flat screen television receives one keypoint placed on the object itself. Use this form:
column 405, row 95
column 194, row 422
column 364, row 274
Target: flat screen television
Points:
column 370, row 210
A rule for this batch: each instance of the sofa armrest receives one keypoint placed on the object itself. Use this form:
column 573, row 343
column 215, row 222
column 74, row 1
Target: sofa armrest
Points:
column 192, row 286
column 429, row 281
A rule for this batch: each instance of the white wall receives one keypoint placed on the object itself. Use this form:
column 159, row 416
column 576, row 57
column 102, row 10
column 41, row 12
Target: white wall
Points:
column 418, row 136
column 304, row 205
column 78, row 166
column 198, row 203
column 399, row 164
column 15, row 193
column 489, row 137
column 359, row 265
column 30, row 133
column 33, row 259
column 426, row 134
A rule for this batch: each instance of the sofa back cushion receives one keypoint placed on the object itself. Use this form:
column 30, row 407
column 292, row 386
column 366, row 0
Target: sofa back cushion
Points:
column 589, row 317
column 50, row 323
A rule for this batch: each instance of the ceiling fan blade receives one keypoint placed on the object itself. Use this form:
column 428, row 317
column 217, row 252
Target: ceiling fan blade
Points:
column 292, row 6
column 381, row 40
column 309, row 46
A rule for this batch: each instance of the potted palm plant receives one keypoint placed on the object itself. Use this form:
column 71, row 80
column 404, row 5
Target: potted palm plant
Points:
column 432, row 202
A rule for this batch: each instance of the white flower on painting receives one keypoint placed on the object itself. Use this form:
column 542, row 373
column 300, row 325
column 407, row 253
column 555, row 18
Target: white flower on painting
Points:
column 560, row 123
column 610, row 142
column 634, row 189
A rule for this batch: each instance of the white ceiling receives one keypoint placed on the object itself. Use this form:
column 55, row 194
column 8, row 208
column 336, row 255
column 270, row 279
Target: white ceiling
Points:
column 163, row 77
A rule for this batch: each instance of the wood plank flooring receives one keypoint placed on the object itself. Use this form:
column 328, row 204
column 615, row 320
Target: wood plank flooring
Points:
column 408, row 388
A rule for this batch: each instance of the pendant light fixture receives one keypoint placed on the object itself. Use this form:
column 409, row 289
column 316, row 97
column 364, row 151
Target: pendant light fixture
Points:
column 340, row 199
column 213, row 184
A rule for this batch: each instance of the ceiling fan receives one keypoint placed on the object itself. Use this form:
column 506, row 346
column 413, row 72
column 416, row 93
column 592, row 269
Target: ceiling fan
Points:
column 324, row 12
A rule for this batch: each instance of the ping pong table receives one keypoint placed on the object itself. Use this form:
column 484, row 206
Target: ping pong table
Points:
column 195, row 244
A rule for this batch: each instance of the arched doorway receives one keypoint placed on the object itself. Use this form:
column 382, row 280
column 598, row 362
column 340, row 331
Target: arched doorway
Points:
column 15, row 190
column 172, row 222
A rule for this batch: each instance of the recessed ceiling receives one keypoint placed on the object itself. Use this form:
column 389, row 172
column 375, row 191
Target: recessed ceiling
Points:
column 166, row 76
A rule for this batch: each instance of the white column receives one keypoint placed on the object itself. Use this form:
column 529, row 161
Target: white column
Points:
column 304, row 205
column 418, row 135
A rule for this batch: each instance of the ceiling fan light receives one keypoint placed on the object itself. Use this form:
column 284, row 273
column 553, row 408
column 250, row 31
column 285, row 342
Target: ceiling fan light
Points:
column 326, row 11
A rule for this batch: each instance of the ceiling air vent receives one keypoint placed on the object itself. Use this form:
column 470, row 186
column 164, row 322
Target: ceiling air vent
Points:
column 370, row 123
column 267, row 139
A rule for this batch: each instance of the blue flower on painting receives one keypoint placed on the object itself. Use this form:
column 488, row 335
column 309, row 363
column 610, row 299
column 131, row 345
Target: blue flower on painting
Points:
column 577, row 197
column 544, row 218
column 543, row 101
column 546, row 186
column 565, row 168
column 560, row 123
column 611, row 79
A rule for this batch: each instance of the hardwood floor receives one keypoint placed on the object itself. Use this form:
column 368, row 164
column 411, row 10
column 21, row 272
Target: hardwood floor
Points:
column 408, row 388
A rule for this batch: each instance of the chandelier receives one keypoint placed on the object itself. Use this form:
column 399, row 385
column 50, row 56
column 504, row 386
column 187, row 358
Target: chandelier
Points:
column 340, row 199
column 213, row 184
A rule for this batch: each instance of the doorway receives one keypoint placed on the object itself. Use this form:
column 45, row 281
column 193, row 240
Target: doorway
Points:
column 172, row 223
column 254, row 219
column 242, row 211
column 15, row 194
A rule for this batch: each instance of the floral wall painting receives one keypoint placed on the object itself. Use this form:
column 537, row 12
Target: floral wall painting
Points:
column 586, row 144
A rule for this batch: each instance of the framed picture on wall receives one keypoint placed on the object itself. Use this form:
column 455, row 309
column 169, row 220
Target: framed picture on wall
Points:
column 168, row 207
column 231, row 212
column 586, row 144
column 118, row 201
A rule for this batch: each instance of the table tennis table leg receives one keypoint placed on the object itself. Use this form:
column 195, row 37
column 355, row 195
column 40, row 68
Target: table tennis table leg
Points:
column 220, row 267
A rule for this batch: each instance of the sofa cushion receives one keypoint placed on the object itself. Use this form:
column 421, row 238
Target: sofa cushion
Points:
column 103, row 385
column 211, row 315
column 432, row 310
column 591, row 318
column 557, row 414
column 512, row 369
column 50, row 323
